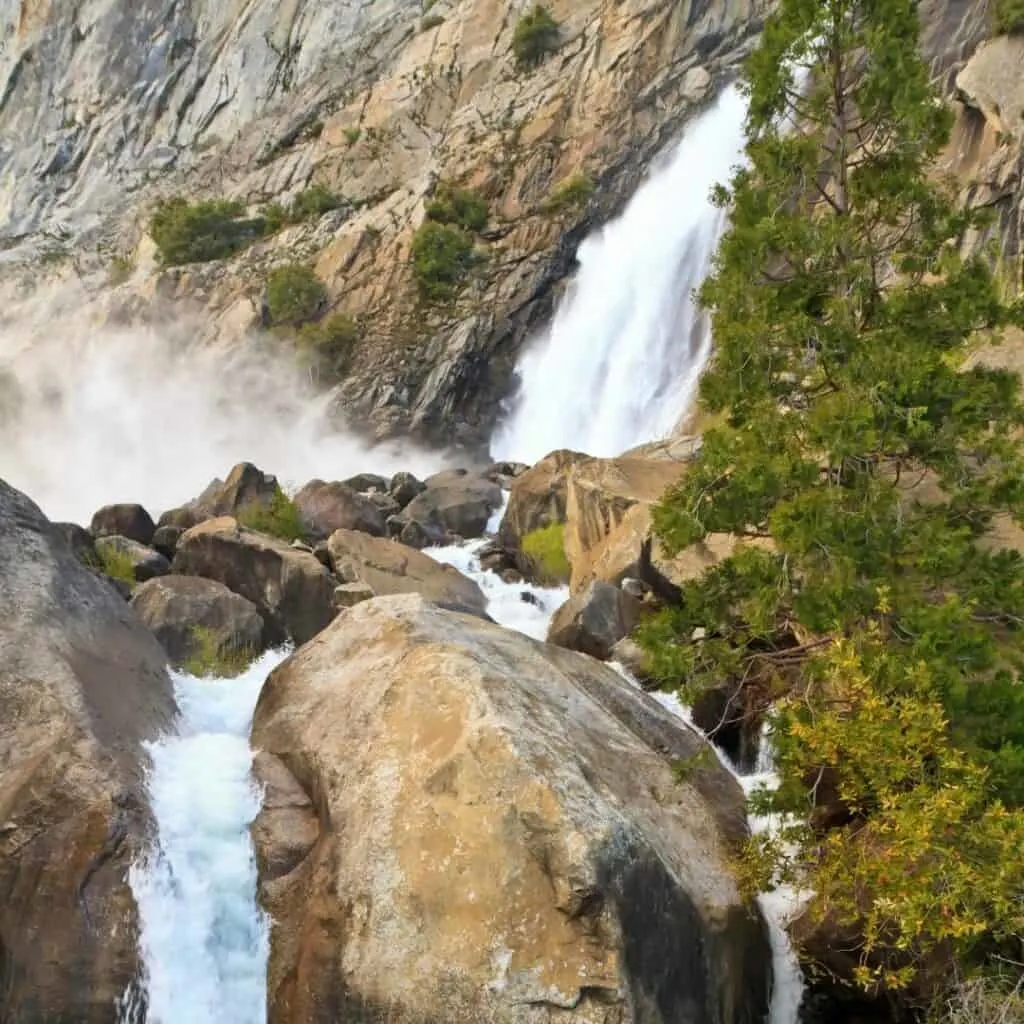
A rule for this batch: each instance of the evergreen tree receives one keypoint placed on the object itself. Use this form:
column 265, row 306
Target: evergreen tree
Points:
column 870, row 608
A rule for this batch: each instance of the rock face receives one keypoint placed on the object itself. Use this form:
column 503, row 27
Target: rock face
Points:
column 82, row 684
column 326, row 507
column 455, row 501
column 388, row 567
column 131, row 521
column 462, row 824
column 595, row 620
column 289, row 586
column 175, row 607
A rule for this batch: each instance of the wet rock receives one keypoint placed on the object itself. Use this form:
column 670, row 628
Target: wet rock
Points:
column 494, row 856
column 459, row 503
column 385, row 503
column 630, row 655
column 131, row 521
column 405, row 487
column 292, row 590
column 142, row 562
column 326, row 507
column 595, row 620
column 388, row 567
column 189, row 615
column 83, row 685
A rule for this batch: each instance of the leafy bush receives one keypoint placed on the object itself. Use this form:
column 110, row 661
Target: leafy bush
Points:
column 460, row 206
column 213, row 657
column 329, row 344
column 546, row 549
column 279, row 517
column 1008, row 17
column 571, row 194
column 313, row 202
column 536, row 35
column 442, row 256
column 295, row 295
column 275, row 216
column 212, row 229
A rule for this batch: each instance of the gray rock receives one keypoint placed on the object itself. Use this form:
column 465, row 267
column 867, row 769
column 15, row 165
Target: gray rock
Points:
column 165, row 539
column 365, row 482
column 131, row 521
column 459, row 503
column 175, row 608
column 245, row 485
column 595, row 620
column 145, row 563
column 405, row 487
column 83, row 684
column 81, row 543
column 326, row 507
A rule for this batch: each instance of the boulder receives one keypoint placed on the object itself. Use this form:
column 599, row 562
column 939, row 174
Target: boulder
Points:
column 140, row 562
column 537, row 497
column 131, row 521
column 462, row 824
column 166, row 538
column 348, row 595
column 385, row 503
column 362, row 483
column 595, row 620
column 459, row 503
column 388, row 567
column 291, row 588
column 414, row 534
column 82, row 686
column 176, row 608
column 183, row 518
column 81, row 543
column 404, row 487
column 245, row 485
column 326, row 507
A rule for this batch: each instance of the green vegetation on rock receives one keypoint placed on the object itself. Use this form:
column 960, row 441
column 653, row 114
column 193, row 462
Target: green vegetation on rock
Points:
column 328, row 345
column 571, row 194
column 280, row 517
column 443, row 250
column 199, row 232
column 295, row 295
column 536, row 35
column 117, row 564
column 882, row 627
column 1007, row 17
column 212, row 657
column 460, row 206
column 546, row 549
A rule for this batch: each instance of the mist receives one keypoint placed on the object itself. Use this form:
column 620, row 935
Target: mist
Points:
column 92, row 413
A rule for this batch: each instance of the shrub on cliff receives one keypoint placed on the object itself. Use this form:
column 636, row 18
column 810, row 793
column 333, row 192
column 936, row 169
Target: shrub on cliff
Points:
column 442, row 256
column 536, row 35
column 460, row 206
column 295, row 295
column 571, row 194
column 883, row 630
column 328, row 345
column 213, row 229
column 1008, row 17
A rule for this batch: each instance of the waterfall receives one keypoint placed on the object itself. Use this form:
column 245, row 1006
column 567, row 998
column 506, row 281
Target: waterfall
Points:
column 203, row 940
column 621, row 360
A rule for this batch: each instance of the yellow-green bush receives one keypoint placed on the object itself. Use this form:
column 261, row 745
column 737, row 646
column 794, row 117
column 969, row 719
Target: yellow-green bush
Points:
column 329, row 344
column 571, row 194
column 546, row 549
column 536, row 35
column 211, row 657
column 442, row 256
column 212, row 229
column 460, row 206
column 279, row 518
column 1008, row 17
column 295, row 295
column 117, row 564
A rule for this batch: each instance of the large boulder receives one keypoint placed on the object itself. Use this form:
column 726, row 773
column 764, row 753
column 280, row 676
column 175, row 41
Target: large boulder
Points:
column 131, row 521
column 129, row 560
column 188, row 614
column 595, row 620
column 537, row 497
column 326, row 507
column 462, row 824
column 245, row 485
column 404, row 487
column 388, row 567
column 82, row 686
column 455, row 501
column 290, row 587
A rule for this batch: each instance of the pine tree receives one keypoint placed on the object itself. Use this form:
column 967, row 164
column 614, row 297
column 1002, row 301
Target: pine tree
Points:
column 869, row 611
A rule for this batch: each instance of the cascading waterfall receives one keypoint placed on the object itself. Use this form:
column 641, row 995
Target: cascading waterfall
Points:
column 203, row 939
column 621, row 361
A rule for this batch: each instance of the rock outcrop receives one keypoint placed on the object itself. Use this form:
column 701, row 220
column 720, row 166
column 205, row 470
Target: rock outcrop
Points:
column 190, row 614
column 290, row 587
column 388, row 567
column 595, row 620
column 462, row 824
column 82, row 685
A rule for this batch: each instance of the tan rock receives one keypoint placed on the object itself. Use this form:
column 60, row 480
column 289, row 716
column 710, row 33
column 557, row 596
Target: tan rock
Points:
column 482, row 829
column 388, row 567
column 82, row 685
column 537, row 498
column 291, row 588
column 992, row 83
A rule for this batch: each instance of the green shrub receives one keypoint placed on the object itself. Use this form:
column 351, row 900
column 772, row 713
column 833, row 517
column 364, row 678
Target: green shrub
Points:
column 442, row 256
column 1008, row 17
column 212, row 657
column 328, row 345
column 537, row 34
column 277, row 518
column 546, row 549
column 117, row 564
column 275, row 216
column 352, row 135
column 295, row 295
column 313, row 202
column 212, row 229
column 571, row 194
column 431, row 21
column 460, row 206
